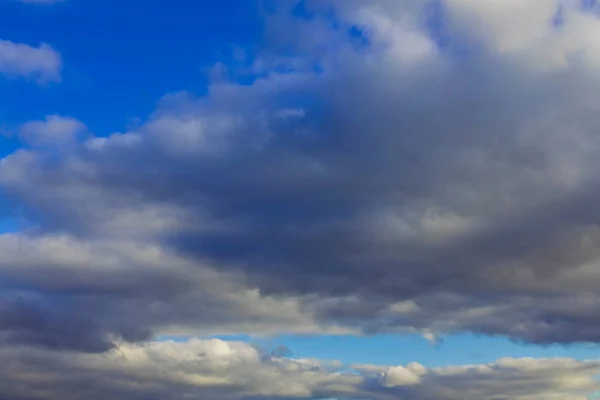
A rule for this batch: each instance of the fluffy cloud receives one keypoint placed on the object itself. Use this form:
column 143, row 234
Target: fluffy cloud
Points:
column 42, row 63
column 214, row 369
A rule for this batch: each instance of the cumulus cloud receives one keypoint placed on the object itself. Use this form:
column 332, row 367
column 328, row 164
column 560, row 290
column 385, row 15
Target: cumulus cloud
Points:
column 214, row 369
column 42, row 63
column 434, row 171
column 460, row 182
column 457, row 178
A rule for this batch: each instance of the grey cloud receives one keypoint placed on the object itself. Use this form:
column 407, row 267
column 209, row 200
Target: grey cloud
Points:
column 61, row 293
column 405, row 172
column 54, row 327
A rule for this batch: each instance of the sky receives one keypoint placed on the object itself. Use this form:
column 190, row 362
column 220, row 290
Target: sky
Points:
column 299, row 199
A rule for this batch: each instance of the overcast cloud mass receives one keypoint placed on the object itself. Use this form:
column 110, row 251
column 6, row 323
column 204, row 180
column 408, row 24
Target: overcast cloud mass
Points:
column 407, row 167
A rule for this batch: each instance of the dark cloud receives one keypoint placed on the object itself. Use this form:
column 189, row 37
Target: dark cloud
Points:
column 61, row 293
column 404, row 186
column 397, row 183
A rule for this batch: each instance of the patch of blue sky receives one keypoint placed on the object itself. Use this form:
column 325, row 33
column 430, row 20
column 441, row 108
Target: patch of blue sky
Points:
column 9, row 225
column 8, row 140
column 120, row 57
column 393, row 349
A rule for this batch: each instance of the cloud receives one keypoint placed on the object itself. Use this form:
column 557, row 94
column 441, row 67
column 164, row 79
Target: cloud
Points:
column 409, row 185
column 53, row 130
column 213, row 369
column 42, row 64
column 433, row 171
column 65, row 294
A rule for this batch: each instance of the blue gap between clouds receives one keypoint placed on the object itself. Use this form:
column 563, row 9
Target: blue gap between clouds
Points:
column 460, row 349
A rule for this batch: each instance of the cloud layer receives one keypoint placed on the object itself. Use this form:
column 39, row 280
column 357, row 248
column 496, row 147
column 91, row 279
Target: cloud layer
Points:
column 214, row 369
column 412, row 167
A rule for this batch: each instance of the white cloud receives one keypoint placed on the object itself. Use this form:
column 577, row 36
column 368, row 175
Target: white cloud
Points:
column 403, row 376
column 505, row 26
column 41, row 64
column 525, row 29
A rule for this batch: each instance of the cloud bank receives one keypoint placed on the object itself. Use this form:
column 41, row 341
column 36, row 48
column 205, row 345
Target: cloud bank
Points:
column 411, row 167
column 214, row 369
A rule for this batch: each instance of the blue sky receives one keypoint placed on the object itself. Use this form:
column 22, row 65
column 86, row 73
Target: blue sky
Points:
column 121, row 58
column 394, row 349
column 7, row 225
column 389, row 169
